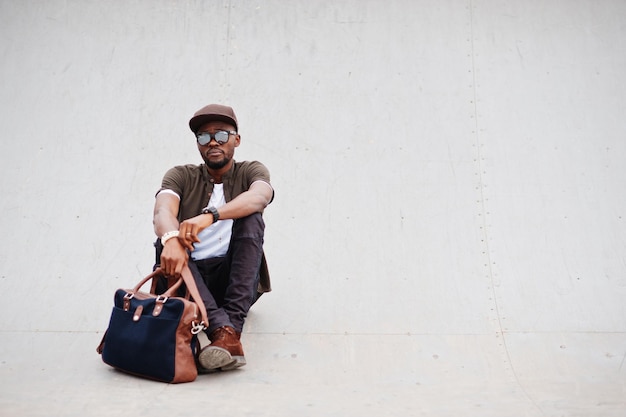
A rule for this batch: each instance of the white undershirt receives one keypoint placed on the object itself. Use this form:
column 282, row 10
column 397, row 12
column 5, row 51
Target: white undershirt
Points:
column 215, row 239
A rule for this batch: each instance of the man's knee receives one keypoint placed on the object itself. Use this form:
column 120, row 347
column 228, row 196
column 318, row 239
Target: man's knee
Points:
column 251, row 226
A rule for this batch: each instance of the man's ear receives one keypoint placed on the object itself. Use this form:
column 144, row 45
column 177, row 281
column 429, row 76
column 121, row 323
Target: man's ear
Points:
column 237, row 140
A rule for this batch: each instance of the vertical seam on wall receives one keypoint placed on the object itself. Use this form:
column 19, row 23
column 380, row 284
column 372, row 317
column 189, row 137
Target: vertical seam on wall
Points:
column 229, row 8
column 481, row 191
column 480, row 168
column 225, row 70
column 500, row 332
column 481, row 184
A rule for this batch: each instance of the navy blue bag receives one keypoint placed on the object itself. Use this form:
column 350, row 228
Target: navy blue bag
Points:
column 155, row 336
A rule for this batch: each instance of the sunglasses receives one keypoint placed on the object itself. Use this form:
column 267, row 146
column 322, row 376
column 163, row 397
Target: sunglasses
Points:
column 221, row 137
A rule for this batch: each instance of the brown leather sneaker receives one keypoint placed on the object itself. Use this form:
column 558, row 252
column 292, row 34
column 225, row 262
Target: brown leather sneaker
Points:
column 225, row 351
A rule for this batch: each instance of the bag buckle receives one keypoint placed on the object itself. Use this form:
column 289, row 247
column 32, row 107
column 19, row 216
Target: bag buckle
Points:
column 158, row 305
column 127, row 299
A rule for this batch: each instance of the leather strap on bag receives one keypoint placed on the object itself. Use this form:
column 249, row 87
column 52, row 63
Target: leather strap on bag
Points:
column 190, row 282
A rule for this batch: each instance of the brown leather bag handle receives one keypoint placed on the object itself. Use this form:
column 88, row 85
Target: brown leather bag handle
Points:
column 190, row 283
column 154, row 275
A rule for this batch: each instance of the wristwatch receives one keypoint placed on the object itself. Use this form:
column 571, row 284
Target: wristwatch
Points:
column 213, row 211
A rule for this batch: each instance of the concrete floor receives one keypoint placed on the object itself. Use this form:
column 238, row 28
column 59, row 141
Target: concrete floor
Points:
column 448, row 236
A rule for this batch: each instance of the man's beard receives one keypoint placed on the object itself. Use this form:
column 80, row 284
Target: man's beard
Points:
column 217, row 164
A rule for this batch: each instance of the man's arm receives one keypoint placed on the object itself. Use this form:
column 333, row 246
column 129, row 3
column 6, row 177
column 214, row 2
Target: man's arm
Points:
column 258, row 196
column 174, row 257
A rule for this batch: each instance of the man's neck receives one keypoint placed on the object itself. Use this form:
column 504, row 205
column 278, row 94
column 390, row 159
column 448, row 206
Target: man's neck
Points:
column 217, row 174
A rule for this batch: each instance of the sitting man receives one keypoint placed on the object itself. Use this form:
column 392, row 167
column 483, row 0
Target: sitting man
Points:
column 209, row 218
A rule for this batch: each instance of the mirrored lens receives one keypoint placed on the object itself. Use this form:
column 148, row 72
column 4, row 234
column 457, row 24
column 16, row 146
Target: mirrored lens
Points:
column 220, row 136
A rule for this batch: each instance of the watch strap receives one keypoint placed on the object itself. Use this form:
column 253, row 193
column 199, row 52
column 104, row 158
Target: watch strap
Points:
column 213, row 211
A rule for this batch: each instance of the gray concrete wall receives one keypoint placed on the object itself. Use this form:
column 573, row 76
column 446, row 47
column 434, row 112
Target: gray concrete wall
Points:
column 448, row 234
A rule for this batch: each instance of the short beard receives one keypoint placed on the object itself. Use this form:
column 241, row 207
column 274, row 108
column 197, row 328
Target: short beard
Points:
column 217, row 165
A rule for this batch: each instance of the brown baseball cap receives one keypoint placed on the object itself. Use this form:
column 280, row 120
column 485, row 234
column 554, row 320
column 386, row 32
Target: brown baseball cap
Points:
column 210, row 113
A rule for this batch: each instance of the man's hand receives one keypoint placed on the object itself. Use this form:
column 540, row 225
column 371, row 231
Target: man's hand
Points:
column 174, row 258
column 190, row 228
